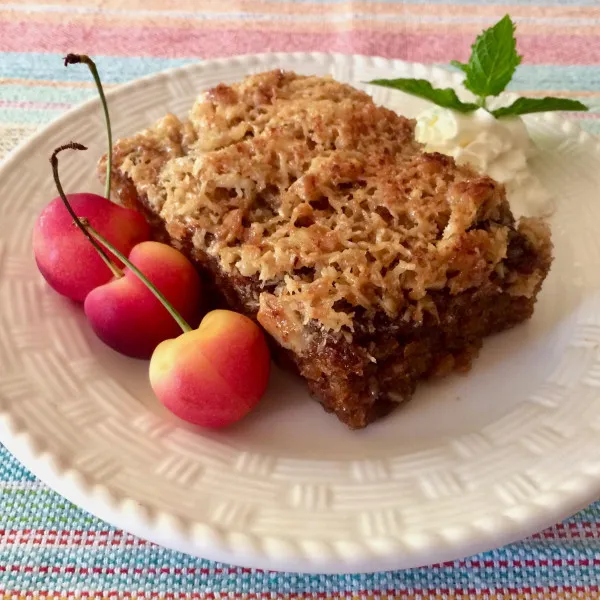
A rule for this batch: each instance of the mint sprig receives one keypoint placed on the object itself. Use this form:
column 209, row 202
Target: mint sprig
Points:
column 493, row 61
column 491, row 66
column 422, row 88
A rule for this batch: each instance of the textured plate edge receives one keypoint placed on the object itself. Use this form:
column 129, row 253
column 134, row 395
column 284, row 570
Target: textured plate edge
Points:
column 125, row 513
column 131, row 516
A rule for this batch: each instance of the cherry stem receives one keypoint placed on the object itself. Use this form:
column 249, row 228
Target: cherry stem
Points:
column 172, row 311
column 72, row 59
column 54, row 162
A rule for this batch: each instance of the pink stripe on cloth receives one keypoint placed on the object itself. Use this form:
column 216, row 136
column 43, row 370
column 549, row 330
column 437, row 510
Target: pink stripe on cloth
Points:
column 210, row 43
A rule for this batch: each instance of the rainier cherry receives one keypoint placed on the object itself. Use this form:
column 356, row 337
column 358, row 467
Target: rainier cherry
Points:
column 66, row 260
column 128, row 317
column 211, row 376
column 64, row 257
column 214, row 375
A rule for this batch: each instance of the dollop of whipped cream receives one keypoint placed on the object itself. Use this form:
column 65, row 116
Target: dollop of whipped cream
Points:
column 499, row 148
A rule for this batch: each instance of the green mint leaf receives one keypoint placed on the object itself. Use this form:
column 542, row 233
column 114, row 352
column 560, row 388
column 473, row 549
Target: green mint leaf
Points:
column 462, row 66
column 446, row 97
column 524, row 106
column 493, row 60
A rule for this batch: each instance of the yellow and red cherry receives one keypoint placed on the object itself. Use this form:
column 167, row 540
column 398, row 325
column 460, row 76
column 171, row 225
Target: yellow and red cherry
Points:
column 128, row 317
column 215, row 375
column 66, row 259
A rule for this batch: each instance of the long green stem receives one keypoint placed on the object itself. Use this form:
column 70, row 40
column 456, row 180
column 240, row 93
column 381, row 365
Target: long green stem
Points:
column 173, row 312
column 54, row 162
column 72, row 59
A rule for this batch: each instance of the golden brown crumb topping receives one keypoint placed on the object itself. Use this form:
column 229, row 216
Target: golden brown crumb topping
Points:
column 307, row 186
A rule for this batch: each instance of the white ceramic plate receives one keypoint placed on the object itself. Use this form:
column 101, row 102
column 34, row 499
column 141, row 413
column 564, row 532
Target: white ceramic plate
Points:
column 471, row 463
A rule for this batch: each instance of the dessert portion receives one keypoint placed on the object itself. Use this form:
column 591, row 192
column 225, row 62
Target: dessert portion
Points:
column 370, row 263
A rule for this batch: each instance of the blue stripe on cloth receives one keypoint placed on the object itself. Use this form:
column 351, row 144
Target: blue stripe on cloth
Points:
column 49, row 67
column 119, row 70
column 12, row 470
column 45, row 94
column 165, row 571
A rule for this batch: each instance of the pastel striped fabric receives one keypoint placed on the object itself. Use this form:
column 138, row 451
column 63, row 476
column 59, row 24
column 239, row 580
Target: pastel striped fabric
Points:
column 51, row 549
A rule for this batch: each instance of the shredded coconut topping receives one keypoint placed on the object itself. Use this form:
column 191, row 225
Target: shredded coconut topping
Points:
column 323, row 198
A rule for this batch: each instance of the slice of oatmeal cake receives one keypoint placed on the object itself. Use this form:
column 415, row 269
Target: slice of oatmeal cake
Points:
column 371, row 264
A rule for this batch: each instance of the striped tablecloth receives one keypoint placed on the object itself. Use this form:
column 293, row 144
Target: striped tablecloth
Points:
column 49, row 548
